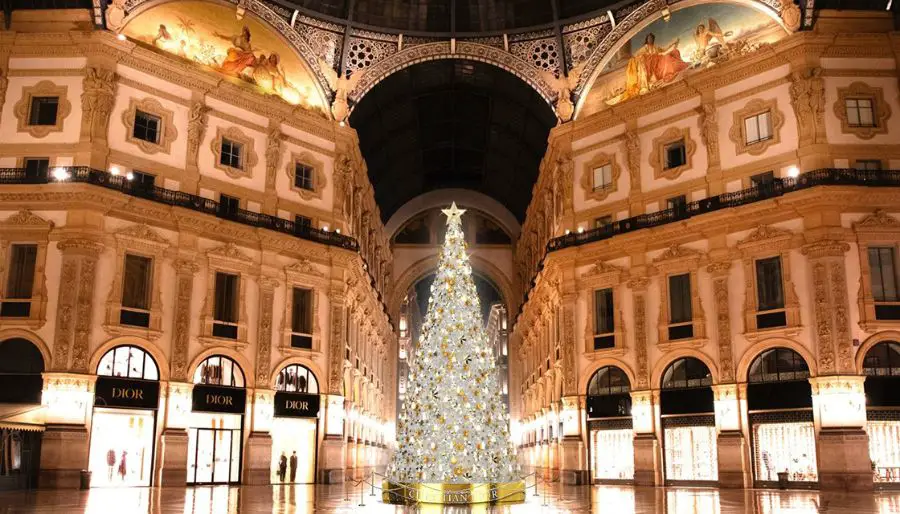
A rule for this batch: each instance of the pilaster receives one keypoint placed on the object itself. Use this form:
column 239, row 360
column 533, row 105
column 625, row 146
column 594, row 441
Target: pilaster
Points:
column 830, row 307
column 185, row 269
column 839, row 408
column 67, row 399
column 75, row 303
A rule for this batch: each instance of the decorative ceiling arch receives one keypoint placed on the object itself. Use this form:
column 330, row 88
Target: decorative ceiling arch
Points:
column 443, row 198
column 421, row 268
column 466, row 50
column 119, row 15
column 783, row 12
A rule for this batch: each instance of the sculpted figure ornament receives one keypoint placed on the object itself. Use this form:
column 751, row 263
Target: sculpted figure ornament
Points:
column 196, row 125
column 563, row 85
column 4, row 83
column 115, row 15
column 342, row 86
column 273, row 155
column 808, row 100
column 790, row 14
column 708, row 123
column 97, row 100
column 633, row 157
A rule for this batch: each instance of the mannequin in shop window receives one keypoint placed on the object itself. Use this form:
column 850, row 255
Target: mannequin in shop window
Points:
column 110, row 463
column 293, row 467
column 123, row 467
column 282, row 467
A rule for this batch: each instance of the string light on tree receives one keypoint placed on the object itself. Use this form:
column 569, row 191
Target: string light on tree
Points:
column 453, row 425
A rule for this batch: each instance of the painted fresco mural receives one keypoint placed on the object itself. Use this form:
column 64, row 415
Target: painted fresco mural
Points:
column 685, row 41
column 244, row 50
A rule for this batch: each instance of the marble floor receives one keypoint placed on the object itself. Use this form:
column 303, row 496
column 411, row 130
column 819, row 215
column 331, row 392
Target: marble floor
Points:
column 334, row 499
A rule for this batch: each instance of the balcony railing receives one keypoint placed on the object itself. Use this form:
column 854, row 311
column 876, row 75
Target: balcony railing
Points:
column 85, row 175
column 776, row 188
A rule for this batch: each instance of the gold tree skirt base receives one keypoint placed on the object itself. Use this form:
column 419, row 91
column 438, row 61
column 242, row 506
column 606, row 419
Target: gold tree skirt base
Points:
column 397, row 493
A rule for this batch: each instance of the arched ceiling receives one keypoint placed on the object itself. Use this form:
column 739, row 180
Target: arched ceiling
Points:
column 453, row 124
column 451, row 16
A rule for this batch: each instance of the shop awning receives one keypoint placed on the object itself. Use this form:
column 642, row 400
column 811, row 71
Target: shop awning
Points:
column 22, row 416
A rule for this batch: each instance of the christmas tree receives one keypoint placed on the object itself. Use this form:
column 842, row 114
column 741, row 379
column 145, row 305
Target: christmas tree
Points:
column 453, row 427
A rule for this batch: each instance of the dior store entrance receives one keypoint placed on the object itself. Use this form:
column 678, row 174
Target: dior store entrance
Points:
column 690, row 449
column 216, row 435
column 295, row 426
column 123, row 425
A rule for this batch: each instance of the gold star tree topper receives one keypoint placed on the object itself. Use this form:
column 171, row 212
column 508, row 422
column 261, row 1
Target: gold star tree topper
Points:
column 453, row 213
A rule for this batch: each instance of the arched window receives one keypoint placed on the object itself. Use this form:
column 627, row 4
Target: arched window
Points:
column 686, row 373
column 21, row 365
column 219, row 370
column 128, row 362
column 607, row 381
column 883, row 360
column 778, row 365
column 297, row 378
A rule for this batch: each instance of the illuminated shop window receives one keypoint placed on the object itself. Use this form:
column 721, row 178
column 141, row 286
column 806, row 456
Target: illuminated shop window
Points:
column 297, row 378
column 219, row 370
column 128, row 362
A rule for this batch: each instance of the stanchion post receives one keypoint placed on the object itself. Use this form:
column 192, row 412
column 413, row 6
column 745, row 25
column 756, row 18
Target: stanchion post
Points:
column 362, row 489
column 373, row 483
column 536, row 493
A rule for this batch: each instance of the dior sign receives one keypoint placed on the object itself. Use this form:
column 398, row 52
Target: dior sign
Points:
column 296, row 405
column 227, row 400
column 124, row 392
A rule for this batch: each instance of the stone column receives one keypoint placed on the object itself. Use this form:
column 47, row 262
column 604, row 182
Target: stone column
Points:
column 638, row 286
column 647, row 457
column 573, row 464
column 96, row 105
column 258, row 456
column 75, row 305
column 68, row 399
column 839, row 407
column 732, row 447
column 838, row 395
column 332, row 453
column 185, row 269
column 173, row 444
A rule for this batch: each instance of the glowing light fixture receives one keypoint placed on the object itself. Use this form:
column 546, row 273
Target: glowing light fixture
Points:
column 129, row 175
column 121, row 37
column 793, row 172
column 61, row 174
column 114, row 171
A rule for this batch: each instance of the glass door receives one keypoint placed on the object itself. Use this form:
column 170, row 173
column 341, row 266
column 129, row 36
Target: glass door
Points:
column 222, row 457
column 205, row 455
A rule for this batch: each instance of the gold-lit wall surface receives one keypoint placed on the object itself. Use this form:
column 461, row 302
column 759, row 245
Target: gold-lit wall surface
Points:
column 84, row 230
column 821, row 235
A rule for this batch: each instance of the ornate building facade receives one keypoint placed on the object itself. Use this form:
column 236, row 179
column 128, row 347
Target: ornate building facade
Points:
column 194, row 265
column 709, row 267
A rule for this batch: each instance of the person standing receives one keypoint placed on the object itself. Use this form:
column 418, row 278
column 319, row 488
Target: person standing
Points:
column 123, row 467
column 282, row 467
column 293, row 467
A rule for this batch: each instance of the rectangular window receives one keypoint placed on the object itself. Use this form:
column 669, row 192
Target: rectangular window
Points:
column 602, row 221
column 226, row 306
column 301, row 318
column 868, row 165
column 141, row 179
column 680, row 298
column 603, row 311
column 136, row 285
column 146, row 127
column 136, row 282
column 602, row 176
column 758, row 128
column 677, row 202
column 769, row 290
column 763, row 179
column 36, row 166
column 860, row 112
column 228, row 204
column 20, row 279
column 231, row 154
column 884, row 274
column 303, row 176
column 675, row 155
column 43, row 110
column 301, row 222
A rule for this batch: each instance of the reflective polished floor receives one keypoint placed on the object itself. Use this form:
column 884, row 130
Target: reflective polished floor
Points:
column 339, row 499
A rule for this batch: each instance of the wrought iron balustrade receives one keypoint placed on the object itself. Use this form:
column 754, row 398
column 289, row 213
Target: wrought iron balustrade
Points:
column 776, row 188
column 86, row 175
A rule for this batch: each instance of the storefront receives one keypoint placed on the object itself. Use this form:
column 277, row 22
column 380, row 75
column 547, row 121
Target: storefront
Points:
column 123, row 425
column 782, row 433
column 295, row 427
column 690, row 449
column 216, row 435
column 882, row 369
column 21, row 422
column 611, row 448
